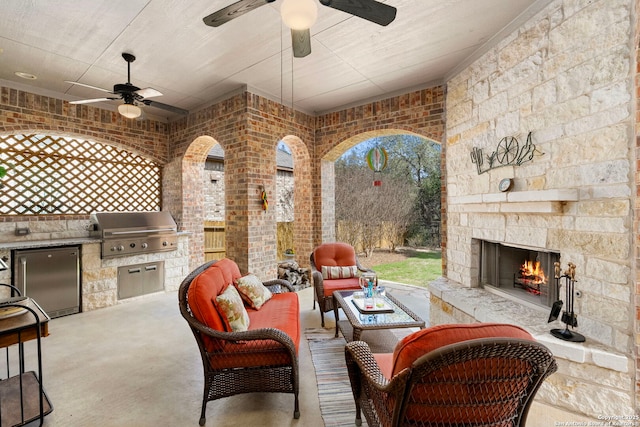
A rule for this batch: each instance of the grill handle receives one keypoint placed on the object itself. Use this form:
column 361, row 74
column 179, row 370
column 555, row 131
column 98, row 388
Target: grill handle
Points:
column 151, row 230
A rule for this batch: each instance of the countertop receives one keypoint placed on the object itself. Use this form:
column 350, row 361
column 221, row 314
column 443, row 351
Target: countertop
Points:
column 32, row 244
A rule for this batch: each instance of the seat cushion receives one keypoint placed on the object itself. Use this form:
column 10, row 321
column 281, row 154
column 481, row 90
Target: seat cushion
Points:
column 340, row 285
column 281, row 312
column 334, row 254
column 422, row 342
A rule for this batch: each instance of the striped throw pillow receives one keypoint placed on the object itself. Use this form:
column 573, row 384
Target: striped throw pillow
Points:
column 339, row 272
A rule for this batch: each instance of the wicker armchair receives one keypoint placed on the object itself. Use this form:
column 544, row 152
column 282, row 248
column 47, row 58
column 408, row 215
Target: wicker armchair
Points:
column 258, row 360
column 332, row 255
column 440, row 377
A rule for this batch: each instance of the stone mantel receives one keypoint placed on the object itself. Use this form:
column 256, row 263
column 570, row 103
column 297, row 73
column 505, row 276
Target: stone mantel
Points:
column 537, row 201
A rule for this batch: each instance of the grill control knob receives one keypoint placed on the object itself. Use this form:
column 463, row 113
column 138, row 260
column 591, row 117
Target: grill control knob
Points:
column 165, row 243
column 144, row 245
column 113, row 248
column 119, row 248
column 132, row 245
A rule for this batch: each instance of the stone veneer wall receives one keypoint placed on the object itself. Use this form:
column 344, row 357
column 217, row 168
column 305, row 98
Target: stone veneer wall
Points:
column 565, row 76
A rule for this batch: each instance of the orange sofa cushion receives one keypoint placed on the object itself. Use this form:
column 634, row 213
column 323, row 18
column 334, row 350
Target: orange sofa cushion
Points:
column 424, row 341
column 229, row 268
column 281, row 312
column 204, row 289
column 334, row 254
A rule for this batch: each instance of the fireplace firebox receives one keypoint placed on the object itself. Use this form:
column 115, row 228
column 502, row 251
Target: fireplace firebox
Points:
column 524, row 273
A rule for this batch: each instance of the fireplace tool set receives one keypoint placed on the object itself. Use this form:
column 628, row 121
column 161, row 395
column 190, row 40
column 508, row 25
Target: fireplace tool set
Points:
column 569, row 318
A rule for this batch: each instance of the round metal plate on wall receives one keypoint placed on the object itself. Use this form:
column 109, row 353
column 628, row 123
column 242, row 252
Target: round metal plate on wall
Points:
column 505, row 184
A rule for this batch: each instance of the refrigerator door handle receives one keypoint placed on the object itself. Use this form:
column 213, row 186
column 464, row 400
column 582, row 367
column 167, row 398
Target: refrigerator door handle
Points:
column 23, row 265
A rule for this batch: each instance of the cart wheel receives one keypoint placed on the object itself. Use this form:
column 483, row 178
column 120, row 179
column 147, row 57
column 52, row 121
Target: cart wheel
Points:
column 202, row 421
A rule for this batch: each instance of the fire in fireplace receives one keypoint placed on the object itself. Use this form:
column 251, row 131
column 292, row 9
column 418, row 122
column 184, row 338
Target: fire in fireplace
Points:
column 519, row 271
column 531, row 277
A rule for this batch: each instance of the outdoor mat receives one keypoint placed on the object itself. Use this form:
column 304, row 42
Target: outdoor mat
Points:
column 334, row 389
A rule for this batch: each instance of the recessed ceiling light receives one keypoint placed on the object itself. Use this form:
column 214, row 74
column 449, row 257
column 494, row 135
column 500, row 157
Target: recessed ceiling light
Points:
column 25, row 75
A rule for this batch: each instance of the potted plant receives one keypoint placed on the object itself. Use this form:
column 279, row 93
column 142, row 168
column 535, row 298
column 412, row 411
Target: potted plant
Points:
column 289, row 254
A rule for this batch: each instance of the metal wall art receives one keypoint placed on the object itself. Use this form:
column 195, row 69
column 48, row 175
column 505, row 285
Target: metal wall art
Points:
column 509, row 152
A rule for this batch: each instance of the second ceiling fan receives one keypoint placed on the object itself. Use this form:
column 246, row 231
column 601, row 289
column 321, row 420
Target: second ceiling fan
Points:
column 299, row 15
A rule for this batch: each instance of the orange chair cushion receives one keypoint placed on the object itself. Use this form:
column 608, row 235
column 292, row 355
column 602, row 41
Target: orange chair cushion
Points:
column 385, row 363
column 334, row 254
column 281, row 312
column 426, row 340
column 339, row 285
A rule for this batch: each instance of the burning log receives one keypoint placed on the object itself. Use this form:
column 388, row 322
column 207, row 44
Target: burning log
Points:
column 531, row 277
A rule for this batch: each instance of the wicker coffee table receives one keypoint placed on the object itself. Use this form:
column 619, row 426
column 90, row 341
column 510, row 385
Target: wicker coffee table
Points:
column 358, row 321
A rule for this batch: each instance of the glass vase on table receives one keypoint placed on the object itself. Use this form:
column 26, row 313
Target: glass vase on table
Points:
column 369, row 283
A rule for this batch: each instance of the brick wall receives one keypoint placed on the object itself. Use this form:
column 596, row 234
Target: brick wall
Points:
column 248, row 127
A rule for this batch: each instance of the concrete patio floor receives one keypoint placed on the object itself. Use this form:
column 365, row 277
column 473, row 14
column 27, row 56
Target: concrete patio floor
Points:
column 137, row 364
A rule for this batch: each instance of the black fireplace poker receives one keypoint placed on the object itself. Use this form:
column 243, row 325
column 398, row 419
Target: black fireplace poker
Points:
column 569, row 317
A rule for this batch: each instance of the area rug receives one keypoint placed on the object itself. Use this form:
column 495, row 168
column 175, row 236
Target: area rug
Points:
column 334, row 389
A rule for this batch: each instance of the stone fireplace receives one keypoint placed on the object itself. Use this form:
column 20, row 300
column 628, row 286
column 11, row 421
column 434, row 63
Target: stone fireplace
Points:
column 560, row 80
column 524, row 274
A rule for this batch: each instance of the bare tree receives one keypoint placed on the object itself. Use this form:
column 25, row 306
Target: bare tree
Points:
column 367, row 214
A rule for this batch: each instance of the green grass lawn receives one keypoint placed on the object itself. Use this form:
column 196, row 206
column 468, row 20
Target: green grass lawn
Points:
column 418, row 269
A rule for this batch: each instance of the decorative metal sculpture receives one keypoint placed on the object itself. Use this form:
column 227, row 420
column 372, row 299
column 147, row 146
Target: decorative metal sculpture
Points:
column 569, row 317
column 263, row 198
column 507, row 153
column 377, row 161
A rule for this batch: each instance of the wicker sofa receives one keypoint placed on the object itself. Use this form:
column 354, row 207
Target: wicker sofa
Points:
column 263, row 358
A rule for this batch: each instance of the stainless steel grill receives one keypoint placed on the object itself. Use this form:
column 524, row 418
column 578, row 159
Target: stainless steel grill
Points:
column 132, row 233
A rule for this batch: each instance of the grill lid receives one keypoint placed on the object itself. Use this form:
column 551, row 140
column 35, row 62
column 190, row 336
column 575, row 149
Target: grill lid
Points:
column 132, row 233
column 133, row 222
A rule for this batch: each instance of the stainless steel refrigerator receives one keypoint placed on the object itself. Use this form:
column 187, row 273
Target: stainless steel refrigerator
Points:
column 51, row 276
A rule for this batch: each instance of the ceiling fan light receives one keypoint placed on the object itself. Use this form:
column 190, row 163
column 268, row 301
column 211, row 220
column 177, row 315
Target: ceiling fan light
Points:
column 129, row 111
column 299, row 14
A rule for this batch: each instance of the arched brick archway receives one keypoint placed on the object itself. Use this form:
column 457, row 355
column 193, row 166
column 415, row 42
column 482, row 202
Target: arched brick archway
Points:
column 328, row 171
column 302, row 198
column 183, row 181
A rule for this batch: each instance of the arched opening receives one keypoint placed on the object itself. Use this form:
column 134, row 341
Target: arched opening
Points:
column 328, row 172
column 302, row 199
column 186, row 201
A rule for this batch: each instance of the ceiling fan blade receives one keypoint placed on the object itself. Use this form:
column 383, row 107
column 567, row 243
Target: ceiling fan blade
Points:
column 89, row 101
column 166, row 107
column 370, row 10
column 89, row 86
column 232, row 11
column 148, row 92
column 301, row 42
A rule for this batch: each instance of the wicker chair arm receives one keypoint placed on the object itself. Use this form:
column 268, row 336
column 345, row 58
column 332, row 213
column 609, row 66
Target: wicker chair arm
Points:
column 276, row 286
column 360, row 354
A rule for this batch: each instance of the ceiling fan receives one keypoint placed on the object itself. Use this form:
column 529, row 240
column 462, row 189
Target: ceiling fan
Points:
column 299, row 15
column 130, row 94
